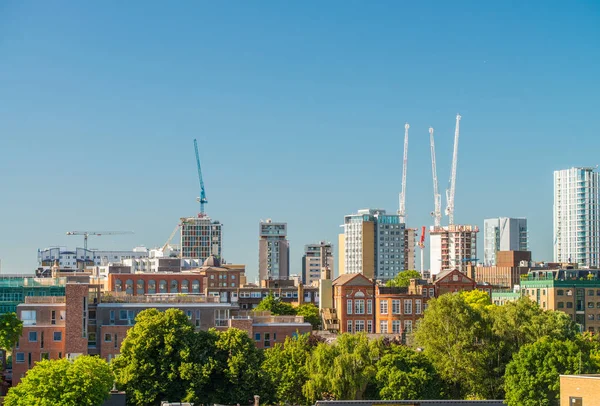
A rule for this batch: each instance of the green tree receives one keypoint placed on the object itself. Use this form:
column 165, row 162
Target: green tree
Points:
column 403, row 373
column 403, row 278
column 11, row 329
column 275, row 306
column 84, row 382
column 342, row 370
column 285, row 367
column 532, row 377
column 477, row 299
column 310, row 313
column 152, row 354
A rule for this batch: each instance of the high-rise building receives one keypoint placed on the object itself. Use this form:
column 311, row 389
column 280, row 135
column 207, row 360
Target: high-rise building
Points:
column 201, row 237
column 315, row 258
column 503, row 234
column 576, row 217
column 373, row 244
column 273, row 251
column 452, row 247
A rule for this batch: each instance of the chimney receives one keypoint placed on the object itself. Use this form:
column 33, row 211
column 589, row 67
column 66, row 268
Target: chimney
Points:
column 256, row 400
column 300, row 293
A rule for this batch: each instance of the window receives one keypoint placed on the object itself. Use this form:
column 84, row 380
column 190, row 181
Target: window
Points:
column 257, row 336
column 383, row 327
column 53, row 317
column 359, row 306
column 20, row 357
column 431, row 292
column 418, row 306
column 151, row 286
column 396, row 326
column 33, row 336
column 91, row 339
column 359, row 326
column 408, row 326
column 369, row 326
column 408, row 307
column 112, row 317
column 590, row 317
column 185, row 286
column 349, row 326
column 140, row 287
column 569, row 305
column 116, row 341
column 395, row 306
column 162, row 286
column 129, row 286
column 561, row 305
column 590, row 305
column 369, row 306
column 28, row 317
column 575, row 401
column 107, row 337
column 383, row 307
column 267, row 341
column 349, row 306
column 57, row 336
column 590, row 293
column 44, row 356
column 128, row 315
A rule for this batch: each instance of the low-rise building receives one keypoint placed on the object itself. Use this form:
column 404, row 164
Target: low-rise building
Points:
column 14, row 290
column 398, row 309
column 267, row 330
column 353, row 299
column 507, row 271
column 580, row 390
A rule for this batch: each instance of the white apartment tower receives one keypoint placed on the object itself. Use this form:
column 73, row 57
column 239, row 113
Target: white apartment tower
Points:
column 503, row 234
column 452, row 247
column 576, row 217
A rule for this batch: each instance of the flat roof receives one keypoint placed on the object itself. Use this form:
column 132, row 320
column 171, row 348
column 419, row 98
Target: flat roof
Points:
column 165, row 305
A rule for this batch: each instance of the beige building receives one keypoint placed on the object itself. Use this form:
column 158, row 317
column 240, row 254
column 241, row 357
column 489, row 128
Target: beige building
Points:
column 273, row 251
column 580, row 390
column 316, row 258
column 452, row 247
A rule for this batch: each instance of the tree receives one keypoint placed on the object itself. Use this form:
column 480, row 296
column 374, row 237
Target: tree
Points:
column 477, row 299
column 275, row 306
column 402, row 280
column 310, row 313
column 532, row 377
column 84, row 382
column 342, row 370
column 285, row 367
column 152, row 354
column 11, row 329
column 403, row 373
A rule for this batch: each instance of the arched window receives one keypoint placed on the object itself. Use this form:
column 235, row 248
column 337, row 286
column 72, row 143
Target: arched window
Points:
column 184, row 286
column 129, row 286
column 162, row 286
column 118, row 285
column 195, row 286
column 174, row 286
column 140, row 287
column 151, row 286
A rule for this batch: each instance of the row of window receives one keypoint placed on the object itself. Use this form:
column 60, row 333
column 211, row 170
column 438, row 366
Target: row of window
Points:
column 359, row 306
column 32, row 337
column 174, row 286
column 266, row 337
column 396, row 304
column 590, row 305
column 359, row 326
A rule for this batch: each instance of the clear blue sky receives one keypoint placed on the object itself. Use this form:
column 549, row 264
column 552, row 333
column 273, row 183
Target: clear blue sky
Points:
column 299, row 110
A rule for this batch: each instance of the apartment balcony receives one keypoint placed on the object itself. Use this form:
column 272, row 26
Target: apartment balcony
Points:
column 120, row 297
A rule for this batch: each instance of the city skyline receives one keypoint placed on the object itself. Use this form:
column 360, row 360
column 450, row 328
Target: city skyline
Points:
column 101, row 137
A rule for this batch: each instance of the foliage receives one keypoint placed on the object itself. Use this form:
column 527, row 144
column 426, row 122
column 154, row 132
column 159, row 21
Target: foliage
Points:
column 275, row 306
column 152, row 356
column 84, row 382
column 477, row 299
column 285, row 367
column 532, row 377
column 342, row 370
column 11, row 329
column 402, row 280
column 311, row 314
column 403, row 373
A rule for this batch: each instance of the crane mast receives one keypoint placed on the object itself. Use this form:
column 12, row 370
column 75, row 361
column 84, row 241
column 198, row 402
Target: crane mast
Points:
column 437, row 198
column 402, row 206
column 202, row 198
column 451, row 192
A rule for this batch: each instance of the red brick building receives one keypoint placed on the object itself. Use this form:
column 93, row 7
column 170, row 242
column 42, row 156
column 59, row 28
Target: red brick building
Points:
column 398, row 309
column 353, row 299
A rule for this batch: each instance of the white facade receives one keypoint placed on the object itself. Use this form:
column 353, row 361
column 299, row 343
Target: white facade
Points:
column 201, row 237
column 79, row 258
column 503, row 234
column 576, row 217
column 452, row 247
column 435, row 253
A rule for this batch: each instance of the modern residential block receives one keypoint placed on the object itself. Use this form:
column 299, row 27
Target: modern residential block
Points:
column 201, row 237
column 315, row 258
column 503, row 234
column 577, row 217
column 273, row 251
column 452, row 247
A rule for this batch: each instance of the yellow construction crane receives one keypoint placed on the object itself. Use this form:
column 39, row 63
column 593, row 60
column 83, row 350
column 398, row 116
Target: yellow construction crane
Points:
column 86, row 234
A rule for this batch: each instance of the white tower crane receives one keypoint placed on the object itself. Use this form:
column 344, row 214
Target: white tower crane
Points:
column 450, row 192
column 402, row 206
column 437, row 198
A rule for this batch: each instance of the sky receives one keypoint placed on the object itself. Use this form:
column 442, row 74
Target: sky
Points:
column 299, row 111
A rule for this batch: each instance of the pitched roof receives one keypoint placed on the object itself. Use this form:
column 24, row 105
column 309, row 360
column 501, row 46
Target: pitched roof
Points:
column 348, row 277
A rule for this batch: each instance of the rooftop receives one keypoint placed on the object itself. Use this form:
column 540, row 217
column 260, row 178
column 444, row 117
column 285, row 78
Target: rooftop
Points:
column 120, row 297
column 17, row 282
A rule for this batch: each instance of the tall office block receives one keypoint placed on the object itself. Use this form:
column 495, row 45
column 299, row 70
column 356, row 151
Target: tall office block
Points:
column 315, row 258
column 273, row 251
column 373, row 244
column 200, row 238
column 576, row 217
column 503, row 234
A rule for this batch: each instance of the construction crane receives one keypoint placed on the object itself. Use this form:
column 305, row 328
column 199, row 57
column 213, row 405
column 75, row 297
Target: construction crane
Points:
column 202, row 198
column 422, row 246
column 437, row 198
column 402, row 206
column 164, row 247
column 86, row 234
column 451, row 192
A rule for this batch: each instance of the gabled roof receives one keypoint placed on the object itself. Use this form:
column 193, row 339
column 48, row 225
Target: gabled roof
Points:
column 352, row 279
column 445, row 275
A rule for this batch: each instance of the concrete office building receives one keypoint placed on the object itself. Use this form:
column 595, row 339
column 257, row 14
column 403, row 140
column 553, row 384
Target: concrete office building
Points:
column 503, row 234
column 452, row 247
column 373, row 243
column 80, row 258
column 316, row 257
column 576, row 217
column 273, row 251
column 201, row 237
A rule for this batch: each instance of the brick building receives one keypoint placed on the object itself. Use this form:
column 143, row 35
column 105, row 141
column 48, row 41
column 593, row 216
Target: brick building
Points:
column 506, row 274
column 353, row 298
column 398, row 309
column 580, row 390
column 267, row 330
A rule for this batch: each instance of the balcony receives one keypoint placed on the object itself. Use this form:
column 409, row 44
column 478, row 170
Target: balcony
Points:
column 45, row 300
column 120, row 297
